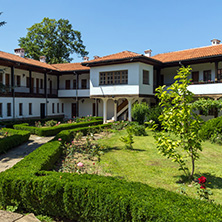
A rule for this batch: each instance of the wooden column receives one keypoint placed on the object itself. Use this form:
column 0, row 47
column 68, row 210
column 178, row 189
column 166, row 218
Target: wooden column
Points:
column 30, row 82
column 13, row 90
column 45, row 84
column 216, row 71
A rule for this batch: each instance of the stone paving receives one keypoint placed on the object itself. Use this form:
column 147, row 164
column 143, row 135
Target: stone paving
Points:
column 13, row 156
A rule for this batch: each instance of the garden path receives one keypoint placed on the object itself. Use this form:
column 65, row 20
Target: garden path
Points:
column 16, row 154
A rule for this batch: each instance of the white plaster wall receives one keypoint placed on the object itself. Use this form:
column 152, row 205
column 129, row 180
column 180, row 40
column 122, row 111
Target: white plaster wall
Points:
column 131, row 88
column 143, row 88
column 72, row 93
column 209, row 88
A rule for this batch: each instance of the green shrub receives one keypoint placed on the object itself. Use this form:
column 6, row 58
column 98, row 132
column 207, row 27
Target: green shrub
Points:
column 50, row 123
column 28, row 186
column 152, row 117
column 16, row 138
column 139, row 111
column 210, row 127
column 51, row 131
column 136, row 129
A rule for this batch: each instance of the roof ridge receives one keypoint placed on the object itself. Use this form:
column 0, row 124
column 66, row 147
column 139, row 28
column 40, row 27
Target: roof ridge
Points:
column 208, row 46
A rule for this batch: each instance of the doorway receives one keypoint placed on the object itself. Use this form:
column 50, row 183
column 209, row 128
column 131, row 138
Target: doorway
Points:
column 74, row 110
column 42, row 110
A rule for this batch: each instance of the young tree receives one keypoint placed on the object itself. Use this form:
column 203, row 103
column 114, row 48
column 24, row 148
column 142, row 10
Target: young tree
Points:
column 3, row 22
column 54, row 39
column 179, row 138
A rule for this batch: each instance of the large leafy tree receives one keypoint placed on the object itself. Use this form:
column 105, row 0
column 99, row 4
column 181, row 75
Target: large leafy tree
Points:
column 179, row 138
column 54, row 39
column 3, row 22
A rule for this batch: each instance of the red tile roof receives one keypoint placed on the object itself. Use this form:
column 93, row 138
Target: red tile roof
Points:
column 16, row 58
column 70, row 66
column 188, row 54
column 116, row 56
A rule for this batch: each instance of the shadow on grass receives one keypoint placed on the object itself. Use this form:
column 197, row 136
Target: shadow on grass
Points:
column 215, row 182
column 108, row 149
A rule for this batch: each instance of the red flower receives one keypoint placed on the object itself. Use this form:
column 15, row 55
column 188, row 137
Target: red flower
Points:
column 202, row 186
column 202, row 180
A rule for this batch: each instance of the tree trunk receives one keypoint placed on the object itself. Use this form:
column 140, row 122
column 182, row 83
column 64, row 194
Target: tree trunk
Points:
column 193, row 166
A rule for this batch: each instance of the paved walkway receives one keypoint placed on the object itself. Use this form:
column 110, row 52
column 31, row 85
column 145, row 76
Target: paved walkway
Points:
column 13, row 156
column 6, row 216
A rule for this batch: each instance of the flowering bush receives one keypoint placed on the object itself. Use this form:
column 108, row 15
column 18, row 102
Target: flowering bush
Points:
column 51, row 123
column 202, row 190
column 38, row 124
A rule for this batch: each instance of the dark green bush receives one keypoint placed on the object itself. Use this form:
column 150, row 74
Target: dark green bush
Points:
column 139, row 111
column 136, row 129
column 16, row 138
column 152, row 117
column 51, row 131
column 210, row 127
column 91, row 197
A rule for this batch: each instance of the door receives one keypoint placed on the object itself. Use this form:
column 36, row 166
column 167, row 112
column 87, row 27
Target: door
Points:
column 74, row 110
column 6, row 79
column 50, row 87
column 95, row 109
column 37, row 86
column 32, row 85
column 84, row 83
column 67, row 84
column 42, row 110
column 195, row 76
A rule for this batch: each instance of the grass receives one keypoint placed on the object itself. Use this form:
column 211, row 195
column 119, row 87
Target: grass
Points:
column 144, row 164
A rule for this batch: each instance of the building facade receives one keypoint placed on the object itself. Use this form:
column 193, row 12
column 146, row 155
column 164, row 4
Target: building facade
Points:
column 104, row 86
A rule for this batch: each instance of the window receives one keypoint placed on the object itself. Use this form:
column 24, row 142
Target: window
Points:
column 41, row 83
column 74, row 84
column 30, row 108
column 195, row 76
column 67, row 84
column 53, row 108
column 219, row 74
column 146, row 77
column 113, row 78
column 9, row 109
column 62, row 107
column 84, row 83
column 7, row 79
column 27, row 82
column 20, row 109
column 57, row 107
column 18, row 80
column 207, row 75
column 0, row 109
column 1, row 78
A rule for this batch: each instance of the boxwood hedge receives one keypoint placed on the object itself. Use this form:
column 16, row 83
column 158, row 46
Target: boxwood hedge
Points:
column 16, row 138
column 86, row 197
column 51, row 131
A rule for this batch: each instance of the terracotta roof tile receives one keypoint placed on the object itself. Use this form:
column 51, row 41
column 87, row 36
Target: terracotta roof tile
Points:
column 27, row 61
column 70, row 66
column 187, row 54
column 116, row 56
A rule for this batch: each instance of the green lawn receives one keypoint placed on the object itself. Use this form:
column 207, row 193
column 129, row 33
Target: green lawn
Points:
column 144, row 164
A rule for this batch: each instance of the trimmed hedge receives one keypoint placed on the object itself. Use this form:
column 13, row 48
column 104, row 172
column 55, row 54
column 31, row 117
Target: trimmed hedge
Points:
column 17, row 138
column 51, row 131
column 92, row 197
column 210, row 127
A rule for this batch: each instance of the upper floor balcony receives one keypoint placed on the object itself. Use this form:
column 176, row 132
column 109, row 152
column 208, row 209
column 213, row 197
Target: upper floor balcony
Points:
column 68, row 93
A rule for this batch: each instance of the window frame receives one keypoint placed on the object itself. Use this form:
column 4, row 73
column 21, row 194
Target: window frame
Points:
column 146, row 73
column 118, row 77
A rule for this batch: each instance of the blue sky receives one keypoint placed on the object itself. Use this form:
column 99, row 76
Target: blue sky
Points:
column 112, row 26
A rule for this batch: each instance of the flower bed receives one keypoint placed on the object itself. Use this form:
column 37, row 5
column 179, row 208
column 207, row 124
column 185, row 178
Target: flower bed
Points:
column 30, row 187
column 12, row 138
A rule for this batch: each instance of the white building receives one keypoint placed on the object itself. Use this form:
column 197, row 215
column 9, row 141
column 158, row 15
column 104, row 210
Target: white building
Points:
column 105, row 86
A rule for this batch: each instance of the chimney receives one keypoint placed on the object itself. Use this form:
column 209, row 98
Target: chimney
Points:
column 148, row 52
column 85, row 58
column 96, row 57
column 20, row 52
column 215, row 41
column 42, row 59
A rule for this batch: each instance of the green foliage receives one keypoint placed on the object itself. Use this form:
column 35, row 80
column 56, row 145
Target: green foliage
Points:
column 139, row 111
column 54, row 39
column 91, row 197
column 136, row 129
column 51, row 131
column 119, row 125
column 128, row 139
column 152, row 117
column 15, row 138
column 211, row 128
column 205, row 105
column 180, row 136
column 50, row 123
column 3, row 22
